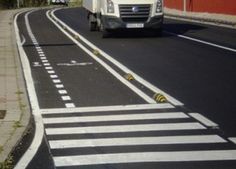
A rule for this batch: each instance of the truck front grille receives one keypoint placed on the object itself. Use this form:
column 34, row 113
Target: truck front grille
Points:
column 134, row 13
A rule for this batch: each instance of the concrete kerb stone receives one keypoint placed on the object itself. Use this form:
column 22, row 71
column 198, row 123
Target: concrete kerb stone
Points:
column 207, row 18
column 13, row 96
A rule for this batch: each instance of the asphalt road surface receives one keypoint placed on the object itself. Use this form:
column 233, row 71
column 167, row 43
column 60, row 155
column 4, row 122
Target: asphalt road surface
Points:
column 95, row 118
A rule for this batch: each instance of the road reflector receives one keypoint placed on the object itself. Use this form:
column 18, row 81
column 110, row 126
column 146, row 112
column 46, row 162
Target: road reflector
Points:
column 129, row 77
column 160, row 98
column 76, row 37
column 96, row 52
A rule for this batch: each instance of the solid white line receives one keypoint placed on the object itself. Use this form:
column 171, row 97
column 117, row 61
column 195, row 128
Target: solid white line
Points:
column 23, row 40
column 143, row 95
column 233, row 139
column 124, row 128
column 115, row 62
column 39, row 129
column 172, row 156
column 193, row 139
column 202, row 41
column 109, row 108
column 124, row 117
column 203, row 120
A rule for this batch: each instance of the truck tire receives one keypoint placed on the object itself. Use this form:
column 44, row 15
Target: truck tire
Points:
column 92, row 23
column 105, row 32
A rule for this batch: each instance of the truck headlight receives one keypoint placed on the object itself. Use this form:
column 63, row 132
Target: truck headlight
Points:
column 159, row 6
column 110, row 6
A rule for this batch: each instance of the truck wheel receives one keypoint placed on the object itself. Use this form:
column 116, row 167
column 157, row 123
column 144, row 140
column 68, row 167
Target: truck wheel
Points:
column 92, row 23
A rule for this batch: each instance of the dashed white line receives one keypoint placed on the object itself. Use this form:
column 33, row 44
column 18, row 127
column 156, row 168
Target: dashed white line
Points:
column 65, row 98
column 56, row 81
column 62, row 91
column 59, row 86
column 70, row 105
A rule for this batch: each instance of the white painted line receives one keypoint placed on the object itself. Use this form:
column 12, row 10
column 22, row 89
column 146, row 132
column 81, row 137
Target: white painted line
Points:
column 124, row 128
column 193, row 139
column 48, row 68
column 42, row 55
column 203, row 120
column 51, row 71
column 70, row 105
column 56, row 81
column 53, row 76
column 39, row 129
column 44, row 61
column 172, row 156
column 43, row 58
column 202, row 41
column 124, row 117
column 62, row 91
column 65, row 98
column 47, row 64
column 108, row 57
column 109, row 108
column 139, row 92
column 233, row 139
column 59, row 86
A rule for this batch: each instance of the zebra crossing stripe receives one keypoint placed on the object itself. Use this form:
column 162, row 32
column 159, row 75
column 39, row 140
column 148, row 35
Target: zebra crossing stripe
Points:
column 125, row 117
column 124, row 128
column 108, row 108
column 173, row 156
column 193, row 139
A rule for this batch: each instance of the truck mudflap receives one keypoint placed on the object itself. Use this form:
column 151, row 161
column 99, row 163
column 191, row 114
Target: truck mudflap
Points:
column 113, row 23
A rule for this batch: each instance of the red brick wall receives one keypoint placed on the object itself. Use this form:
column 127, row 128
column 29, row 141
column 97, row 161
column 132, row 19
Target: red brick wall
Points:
column 210, row 6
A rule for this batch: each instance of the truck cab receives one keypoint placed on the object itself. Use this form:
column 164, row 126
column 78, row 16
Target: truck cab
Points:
column 108, row 15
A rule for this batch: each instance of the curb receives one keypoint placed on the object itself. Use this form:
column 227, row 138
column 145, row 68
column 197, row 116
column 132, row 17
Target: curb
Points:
column 207, row 20
column 16, row 122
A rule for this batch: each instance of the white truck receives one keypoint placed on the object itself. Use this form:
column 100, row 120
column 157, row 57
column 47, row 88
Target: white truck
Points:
column 109, row 15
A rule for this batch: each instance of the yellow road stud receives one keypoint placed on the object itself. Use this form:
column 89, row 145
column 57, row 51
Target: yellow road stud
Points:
column 158, row 97
column 129, row 77
column 96, row 52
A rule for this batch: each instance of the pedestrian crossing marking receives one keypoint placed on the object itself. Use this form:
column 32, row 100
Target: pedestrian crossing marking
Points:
column 183, row 156
column 60, row 144
column 124, row 117
column 125, row 128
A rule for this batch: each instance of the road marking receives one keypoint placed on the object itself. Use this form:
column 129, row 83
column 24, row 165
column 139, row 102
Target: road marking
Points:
column 65, row 98
column 201, row 41
column 59, row 86
column 109, row 108
column 203, row 120
column 44, row 61
column 46, row 64
column 53, row 76
column 33, row 100
column 48, row 68
column 125, row 117
column 124, row 128
column 23, row 40
column 179, row 156
column 139, row 92
column 112, row 60
column 56, row 81
column 51, row 71
column 193, row 139
column 233, row 139
column 62, row 91
column 70, row 105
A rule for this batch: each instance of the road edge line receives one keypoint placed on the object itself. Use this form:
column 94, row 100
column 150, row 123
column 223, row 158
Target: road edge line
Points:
column 39, row 129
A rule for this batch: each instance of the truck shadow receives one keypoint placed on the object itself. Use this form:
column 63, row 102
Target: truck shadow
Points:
column 168, row 28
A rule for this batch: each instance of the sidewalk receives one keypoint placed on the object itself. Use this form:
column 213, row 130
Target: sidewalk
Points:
column 14, row 106
column 208, row 18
